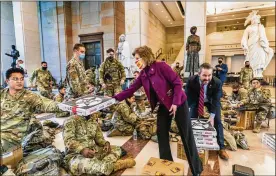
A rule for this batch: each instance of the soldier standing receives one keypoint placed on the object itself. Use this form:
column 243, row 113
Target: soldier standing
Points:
column 258, row 98
column 112, row 74
column 18, row 106
column 90, row 75
column 44, row 80
column 177, row 69
column 246, row 75
column 87, row 150
column 75, row 73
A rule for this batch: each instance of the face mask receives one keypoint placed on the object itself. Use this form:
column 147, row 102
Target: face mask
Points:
column 220, row 62
column 111, row 57
column 235, row 92
column 247, row 66
column 44, row 68
column 139, row 64
column 82, row 56
column 177, row 66
column 21, row 65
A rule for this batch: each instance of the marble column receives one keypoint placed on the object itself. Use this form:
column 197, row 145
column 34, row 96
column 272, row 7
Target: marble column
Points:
column 137, row 21
column 27, row 34
column 228, row 62
column 195, row 15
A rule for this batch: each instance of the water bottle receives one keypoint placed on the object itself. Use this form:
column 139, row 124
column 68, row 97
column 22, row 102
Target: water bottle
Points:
column 135, row 135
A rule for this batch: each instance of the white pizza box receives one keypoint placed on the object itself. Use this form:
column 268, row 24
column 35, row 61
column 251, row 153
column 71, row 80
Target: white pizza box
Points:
column 207, row 146
column 87, row 104
column 205, row 139
column 203, row 127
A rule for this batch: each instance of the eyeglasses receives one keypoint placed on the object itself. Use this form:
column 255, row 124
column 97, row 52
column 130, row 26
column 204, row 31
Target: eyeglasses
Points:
column 17, row 79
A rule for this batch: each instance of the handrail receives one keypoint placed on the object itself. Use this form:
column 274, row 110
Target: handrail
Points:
column 158, row 53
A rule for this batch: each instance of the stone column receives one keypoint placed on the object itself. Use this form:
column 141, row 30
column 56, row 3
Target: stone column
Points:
column 228, row 62
column 27, row 34
column 195, row 15
column 137, row 21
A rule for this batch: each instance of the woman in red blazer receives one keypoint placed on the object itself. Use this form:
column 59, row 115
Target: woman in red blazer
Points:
column 161, row 84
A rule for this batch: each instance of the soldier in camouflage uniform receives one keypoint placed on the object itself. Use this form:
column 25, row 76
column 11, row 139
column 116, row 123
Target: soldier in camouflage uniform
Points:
column 87, row 152
column 112, row 75
column 43, row 80
column 17, row 109
column 75, row 73
column 90, row 75
column 60, row 96
column 177, row 69
column 246, row 75
column 258, row 98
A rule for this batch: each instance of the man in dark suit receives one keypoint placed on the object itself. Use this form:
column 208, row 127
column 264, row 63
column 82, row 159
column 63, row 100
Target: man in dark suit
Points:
column 205, row 90
column 221, row 70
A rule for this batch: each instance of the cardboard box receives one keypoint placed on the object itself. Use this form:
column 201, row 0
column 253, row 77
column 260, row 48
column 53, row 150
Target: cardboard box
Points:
column 203, row 154
column 157, row 166
column 87, row 105
column 246, row 119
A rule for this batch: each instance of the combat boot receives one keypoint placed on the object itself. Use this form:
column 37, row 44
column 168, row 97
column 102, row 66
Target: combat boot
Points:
column 124, row 164
column 257, row 129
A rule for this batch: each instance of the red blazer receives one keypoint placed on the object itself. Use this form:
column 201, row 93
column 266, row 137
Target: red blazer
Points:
column 163, row 80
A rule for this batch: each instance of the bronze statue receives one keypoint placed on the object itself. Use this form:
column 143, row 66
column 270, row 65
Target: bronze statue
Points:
column 193, row 46
column 15, row 55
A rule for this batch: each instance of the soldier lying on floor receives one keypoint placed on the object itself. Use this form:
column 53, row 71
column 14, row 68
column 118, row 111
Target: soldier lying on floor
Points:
column 18, row 106
column 259, row 99
column 87, row 152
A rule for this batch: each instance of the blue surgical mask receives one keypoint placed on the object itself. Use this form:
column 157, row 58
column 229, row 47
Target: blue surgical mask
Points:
column 82, row 56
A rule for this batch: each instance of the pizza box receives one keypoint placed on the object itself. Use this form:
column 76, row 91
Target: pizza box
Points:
column 203, row 127
column 87, row 105
column 156, row 166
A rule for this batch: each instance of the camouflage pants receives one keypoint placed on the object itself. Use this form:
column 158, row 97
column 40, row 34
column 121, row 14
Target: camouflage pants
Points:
column 112, row 90
column 261, row 112
column 147, row 129
column 46, row 92
column 246, row 84
column 174, row 127
column 122, row 129
column 101, row 164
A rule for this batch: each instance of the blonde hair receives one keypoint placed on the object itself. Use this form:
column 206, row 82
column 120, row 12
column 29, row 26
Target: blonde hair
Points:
column 146, row 54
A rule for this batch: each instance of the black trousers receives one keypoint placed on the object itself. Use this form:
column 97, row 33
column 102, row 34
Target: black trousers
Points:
column 185, row 130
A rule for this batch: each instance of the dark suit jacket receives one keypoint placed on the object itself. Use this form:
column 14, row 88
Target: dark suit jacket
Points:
column 214, row 92
column 221, row 74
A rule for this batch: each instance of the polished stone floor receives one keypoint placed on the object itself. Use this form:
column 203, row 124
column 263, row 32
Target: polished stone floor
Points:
column 260, row 157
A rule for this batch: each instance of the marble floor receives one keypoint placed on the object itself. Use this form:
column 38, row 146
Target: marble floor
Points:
column 260, row 157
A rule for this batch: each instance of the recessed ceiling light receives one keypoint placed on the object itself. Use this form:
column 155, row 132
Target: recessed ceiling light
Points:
column 162, row 11
column 169, row 20
column 234, row 27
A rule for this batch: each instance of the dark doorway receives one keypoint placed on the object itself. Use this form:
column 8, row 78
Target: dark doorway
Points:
column 94, row 49
column 93, row 55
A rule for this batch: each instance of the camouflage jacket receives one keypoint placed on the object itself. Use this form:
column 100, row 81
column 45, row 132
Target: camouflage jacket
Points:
column 178, row 70
column 59, row 98
column 123, row 114
column 246, row 74
column 79, row 133
column 241, row 96
column 257, row 96
column 112, row 72
column 75, row 78
column 90, row 75
column 16, row 113
column 43, row 78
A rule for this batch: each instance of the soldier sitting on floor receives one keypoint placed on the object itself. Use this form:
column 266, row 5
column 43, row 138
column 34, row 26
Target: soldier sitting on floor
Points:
column 87, row 152
column 258, row 98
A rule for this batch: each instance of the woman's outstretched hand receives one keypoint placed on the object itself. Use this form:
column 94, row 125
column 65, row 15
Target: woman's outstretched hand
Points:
column 173, row 110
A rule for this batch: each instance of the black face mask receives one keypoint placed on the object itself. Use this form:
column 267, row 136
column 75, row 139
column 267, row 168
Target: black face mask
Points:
column 44, row 68
column 235, row 92
column 177, row 66
column 219, row 62
column 247, row 66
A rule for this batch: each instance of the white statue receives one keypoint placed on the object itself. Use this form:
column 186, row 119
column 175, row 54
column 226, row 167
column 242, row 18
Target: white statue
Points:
column 124, row 56
column 255, row 44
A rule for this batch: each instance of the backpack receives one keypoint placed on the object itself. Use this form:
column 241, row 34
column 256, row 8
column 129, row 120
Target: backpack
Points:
column 45, row 161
